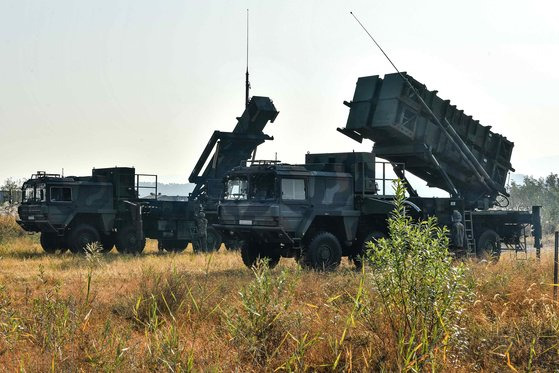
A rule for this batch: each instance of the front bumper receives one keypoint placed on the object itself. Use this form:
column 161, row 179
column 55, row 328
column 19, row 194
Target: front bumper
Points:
column 38, row 226
column 264, row 233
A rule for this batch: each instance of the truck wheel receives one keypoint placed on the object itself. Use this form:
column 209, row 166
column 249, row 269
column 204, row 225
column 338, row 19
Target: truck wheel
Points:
column 214, row 239
column 107, row 243
column 172, row 246
column 233, row 245
column 51, row 243
column 128, row 242
column 324, row 252
column 81, row 236
column 357, row 257
column 272, row 253
column 489, row 246
column 251, row 252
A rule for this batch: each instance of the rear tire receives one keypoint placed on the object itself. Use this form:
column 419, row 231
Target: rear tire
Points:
column 172, row 246
column 107, row 243
column 324, row 252
column 489, row 246
column 81, row 236
column 233, row 245
column 358, row 256
column 128, row 242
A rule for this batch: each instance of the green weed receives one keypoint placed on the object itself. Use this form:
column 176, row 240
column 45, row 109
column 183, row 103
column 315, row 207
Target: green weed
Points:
column 421, row 292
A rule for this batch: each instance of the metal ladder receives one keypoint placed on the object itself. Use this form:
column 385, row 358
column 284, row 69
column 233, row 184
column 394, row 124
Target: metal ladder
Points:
column 469, row 230
column 521, row 248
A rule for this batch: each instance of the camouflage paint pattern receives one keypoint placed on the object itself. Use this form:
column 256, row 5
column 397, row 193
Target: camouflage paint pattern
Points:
column 328, row 196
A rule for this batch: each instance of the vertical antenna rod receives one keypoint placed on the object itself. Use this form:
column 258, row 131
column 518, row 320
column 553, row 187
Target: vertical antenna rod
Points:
column 247, row 83
column 379, row 47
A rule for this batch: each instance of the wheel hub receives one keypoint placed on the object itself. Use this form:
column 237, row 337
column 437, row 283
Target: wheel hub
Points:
column 324, row 253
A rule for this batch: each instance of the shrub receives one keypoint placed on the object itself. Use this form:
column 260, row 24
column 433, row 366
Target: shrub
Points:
column 421, row 292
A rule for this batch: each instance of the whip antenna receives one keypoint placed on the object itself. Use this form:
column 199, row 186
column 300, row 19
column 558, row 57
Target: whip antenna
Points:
column 247, row 83
column 377, row 44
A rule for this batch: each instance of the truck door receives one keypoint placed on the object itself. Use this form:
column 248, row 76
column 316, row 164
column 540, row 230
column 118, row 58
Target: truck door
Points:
column 294, row 205
column 60, row 200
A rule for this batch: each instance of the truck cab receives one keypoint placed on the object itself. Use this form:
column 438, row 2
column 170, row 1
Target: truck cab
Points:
column 301, row 211
column 71, row 212
column 51, row 202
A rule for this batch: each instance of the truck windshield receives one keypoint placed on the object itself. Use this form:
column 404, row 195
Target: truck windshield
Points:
column 263, row 187
column 35, row 193
column 236, row 189
column 29, row 194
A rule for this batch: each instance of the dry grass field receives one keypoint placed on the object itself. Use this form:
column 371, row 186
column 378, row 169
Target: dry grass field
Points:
column 186, row 312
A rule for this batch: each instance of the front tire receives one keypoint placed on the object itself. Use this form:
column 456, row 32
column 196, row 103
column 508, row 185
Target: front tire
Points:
column 324, row 252
column 81, row 236
column 52, row 243
column 129, row 242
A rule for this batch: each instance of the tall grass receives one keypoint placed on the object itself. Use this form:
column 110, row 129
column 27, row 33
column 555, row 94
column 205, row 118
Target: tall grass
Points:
column 259, row 326
column 199, row 313
column 9, row 229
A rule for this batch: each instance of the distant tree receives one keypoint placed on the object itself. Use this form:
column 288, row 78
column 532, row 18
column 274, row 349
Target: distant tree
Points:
column 10, row 184
column 543, row 191
column 11, row 193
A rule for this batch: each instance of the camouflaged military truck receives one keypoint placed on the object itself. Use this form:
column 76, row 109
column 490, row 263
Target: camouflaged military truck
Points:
column 316, row 212
column 332, row 205
column 72, row 212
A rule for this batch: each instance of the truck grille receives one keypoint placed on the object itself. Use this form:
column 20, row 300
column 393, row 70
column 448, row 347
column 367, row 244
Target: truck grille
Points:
column 25, row 211
column 247, row 215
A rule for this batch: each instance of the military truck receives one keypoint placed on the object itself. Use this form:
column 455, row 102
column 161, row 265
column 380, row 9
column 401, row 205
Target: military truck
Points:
column 332, row 205
column 71, row 212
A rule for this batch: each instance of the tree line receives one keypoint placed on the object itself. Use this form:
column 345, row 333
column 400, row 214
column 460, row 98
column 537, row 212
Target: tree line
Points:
column 543, row 191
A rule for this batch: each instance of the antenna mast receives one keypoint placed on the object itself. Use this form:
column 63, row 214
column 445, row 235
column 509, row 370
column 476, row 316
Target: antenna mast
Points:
column 247, row 83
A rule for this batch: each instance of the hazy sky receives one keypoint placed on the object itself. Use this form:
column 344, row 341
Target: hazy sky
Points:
column 144, row 83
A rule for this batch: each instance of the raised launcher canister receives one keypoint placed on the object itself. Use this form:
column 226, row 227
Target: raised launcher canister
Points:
column 227, row 150
column 436, row 141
